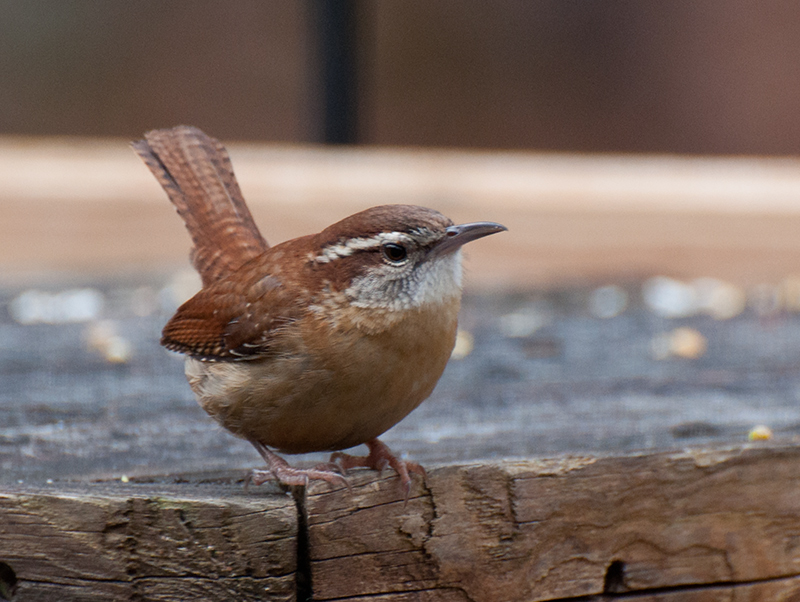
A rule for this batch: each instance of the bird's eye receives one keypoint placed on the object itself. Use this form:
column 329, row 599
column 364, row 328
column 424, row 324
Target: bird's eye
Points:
column 394, row 252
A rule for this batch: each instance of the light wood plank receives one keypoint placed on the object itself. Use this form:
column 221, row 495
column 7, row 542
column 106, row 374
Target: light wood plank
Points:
column 107, row 542
column 81, row 205
column 550, row 529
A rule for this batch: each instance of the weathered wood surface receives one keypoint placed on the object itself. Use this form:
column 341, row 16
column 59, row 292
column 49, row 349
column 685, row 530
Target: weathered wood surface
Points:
column 696, row 525
column 551, row 529
column 577, row 384
column 114, row 542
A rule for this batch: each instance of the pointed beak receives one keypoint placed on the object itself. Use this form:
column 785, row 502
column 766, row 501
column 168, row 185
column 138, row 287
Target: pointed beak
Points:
column 464, row 233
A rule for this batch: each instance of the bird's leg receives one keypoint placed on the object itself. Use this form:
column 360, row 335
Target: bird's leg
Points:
column 279, row 470
column 380, row 456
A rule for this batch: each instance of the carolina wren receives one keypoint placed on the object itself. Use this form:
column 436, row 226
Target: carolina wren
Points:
column 319, row 343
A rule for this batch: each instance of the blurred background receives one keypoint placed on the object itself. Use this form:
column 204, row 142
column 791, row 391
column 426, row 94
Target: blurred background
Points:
column 716, row 77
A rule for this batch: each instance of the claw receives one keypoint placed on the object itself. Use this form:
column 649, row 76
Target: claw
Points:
column 380, row 456
column 329, row 467
column 279, row 470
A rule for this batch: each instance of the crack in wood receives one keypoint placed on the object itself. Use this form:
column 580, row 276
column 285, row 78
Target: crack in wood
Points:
column 304, row 585
column 614, row 581
column 8, row 581
column 350, row 511
column 408, row 595
column 673, row 589
column 77, row 581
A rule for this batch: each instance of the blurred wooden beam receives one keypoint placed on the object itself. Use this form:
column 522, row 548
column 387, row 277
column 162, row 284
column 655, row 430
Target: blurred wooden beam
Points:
column 78, row 205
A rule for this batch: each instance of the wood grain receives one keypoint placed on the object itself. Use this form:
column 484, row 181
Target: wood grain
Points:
column 696, row 525
column 550, row 529
column 109, row 542
column 779, row 590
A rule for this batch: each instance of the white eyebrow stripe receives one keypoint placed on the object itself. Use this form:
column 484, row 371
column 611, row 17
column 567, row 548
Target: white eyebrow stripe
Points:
column 352, row 245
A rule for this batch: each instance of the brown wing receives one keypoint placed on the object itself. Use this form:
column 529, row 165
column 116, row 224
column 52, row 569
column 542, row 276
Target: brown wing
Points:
column 242, row 324
column 196, row 172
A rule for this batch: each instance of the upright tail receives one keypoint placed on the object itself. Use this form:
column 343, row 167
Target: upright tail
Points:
column 195, row 171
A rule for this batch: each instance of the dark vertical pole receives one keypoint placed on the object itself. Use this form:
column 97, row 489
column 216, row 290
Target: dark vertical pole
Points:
column 336, row 35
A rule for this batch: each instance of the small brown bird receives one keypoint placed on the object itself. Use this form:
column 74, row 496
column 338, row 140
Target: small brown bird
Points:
column 319, row 343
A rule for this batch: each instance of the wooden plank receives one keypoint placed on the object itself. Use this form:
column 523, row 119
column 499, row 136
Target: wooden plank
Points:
column 551, row 529
column 698, row 526
column 114, row 542
column 577, row 384
column 66, row 412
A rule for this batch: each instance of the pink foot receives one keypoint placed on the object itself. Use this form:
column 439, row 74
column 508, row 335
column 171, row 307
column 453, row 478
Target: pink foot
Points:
column 380, row 457
column 279, row 470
